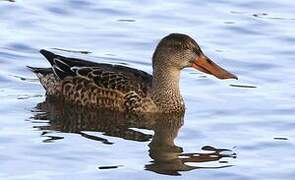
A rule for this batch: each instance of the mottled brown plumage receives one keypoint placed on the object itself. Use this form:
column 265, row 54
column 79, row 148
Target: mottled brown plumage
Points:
column 120, row 88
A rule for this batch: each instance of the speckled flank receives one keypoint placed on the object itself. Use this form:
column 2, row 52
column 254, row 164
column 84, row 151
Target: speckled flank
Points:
column 85, row 92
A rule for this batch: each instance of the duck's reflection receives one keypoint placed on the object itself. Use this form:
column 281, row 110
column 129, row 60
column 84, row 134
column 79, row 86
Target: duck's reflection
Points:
column 167, row 157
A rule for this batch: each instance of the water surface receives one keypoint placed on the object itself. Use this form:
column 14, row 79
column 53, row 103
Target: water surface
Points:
column 231, row 129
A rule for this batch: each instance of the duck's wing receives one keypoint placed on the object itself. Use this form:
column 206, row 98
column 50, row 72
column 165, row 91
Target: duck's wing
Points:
column 115, row 77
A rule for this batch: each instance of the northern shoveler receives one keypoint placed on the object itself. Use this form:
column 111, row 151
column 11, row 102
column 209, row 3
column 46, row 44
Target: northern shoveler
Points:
column 120, row 88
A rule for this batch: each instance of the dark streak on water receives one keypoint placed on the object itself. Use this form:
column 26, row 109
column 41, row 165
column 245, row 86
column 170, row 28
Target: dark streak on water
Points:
column 280, row 138
column 72, row 51
column 109, row 167
column 231, row 130
column 242, row 86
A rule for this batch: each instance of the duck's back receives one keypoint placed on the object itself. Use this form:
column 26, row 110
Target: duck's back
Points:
column 96, row 85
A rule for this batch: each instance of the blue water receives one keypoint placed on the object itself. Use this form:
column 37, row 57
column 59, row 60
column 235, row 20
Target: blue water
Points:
column 241, row 129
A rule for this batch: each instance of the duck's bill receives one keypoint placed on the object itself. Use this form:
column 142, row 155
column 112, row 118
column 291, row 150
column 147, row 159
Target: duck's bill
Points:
column 206, row 65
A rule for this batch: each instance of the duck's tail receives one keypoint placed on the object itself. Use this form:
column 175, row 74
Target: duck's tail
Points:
column 43, row 71
column 47, row 79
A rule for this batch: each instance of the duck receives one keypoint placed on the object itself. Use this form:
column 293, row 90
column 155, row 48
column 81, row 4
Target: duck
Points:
column 125, row 89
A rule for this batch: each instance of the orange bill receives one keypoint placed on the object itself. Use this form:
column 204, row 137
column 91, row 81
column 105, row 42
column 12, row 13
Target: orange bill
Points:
column 206, row 65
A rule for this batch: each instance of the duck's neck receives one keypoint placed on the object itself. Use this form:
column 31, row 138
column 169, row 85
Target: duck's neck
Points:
column 165, row 88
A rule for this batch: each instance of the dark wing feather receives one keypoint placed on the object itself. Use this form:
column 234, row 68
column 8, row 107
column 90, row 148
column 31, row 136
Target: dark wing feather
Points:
column 109, row 76
column 62, row 69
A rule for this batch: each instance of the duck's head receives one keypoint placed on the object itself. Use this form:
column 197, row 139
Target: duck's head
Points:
column 179, row 51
